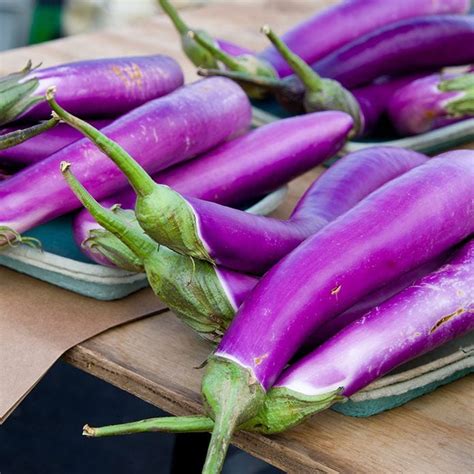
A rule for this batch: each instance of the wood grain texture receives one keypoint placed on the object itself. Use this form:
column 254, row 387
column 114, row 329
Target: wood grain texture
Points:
column 154, row 358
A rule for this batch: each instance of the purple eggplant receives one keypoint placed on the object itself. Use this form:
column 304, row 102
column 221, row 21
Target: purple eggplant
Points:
column 336, row 26
column 402, row 225
column 432, row 102
column 406, row 46
column 236, row 171
column 100, row 87
column 413, row 45
column 159, row 134
column 40, row 147
column 214, row 294
column 432, row 311
column 248, row 243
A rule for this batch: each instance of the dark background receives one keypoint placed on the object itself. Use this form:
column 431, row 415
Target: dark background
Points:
column 44, row 434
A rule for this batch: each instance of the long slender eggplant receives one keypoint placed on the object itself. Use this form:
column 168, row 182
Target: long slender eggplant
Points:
column 432, row 311
column 248, row 243
column 104, row 87
column 432, row 102
column 413, row 45
column 36, row 149
column 214, row 294
column 159, row 134
column 402, row 225
column 207, row 231
column 234, row 172
column 339, row 25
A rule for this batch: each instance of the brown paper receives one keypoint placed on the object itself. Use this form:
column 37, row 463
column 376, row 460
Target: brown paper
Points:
column 39, row 322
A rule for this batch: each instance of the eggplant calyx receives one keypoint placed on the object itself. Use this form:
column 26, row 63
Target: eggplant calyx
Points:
column 284, row 408
column 232, row 396
column 170, row 220
column 11, row 238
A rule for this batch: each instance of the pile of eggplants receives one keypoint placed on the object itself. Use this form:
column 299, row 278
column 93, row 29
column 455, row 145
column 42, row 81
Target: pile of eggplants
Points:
column 364, row 54
column 374, row 266
column 372, row 242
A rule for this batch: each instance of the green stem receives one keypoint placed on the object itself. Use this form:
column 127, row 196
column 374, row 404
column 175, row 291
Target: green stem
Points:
column 244, row 77
column 233, row 396
column 141, row 182
column 139, row 243
column 172, row 424
column 308, row 76
column 177, row 21
column 217, row 53
column 19, row 136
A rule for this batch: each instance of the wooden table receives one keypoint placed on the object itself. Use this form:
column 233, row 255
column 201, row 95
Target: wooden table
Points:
column 155, row 358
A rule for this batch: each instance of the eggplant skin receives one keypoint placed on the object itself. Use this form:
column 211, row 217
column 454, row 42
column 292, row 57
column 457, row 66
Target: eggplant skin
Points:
column 433, row 310
column 335, row 27
column 360, row 251
column 105, row 87
column 408, row 46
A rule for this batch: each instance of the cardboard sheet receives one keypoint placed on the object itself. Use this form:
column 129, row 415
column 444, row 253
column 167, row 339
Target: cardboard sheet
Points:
column 39, row 322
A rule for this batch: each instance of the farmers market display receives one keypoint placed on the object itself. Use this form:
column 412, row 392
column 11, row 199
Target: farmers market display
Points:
column 374, row 266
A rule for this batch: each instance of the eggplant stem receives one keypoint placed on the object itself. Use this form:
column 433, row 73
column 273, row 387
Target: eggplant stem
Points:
column 216, row 52
column 171, row 424
column 141, row 182
column 135, row 240
column 174, row 16
column 16, row 137
column 311, row 80
column 239, row 76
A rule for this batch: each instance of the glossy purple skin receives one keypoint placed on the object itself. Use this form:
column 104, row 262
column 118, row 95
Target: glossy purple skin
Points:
column 372, row 300
column 252, row 244
column 420, row 106
column 236, row 285
column 106, row 87
column 38, row 148
column 336, row 26
column 374, row 98
column 158, row 134
column 238, row 170
column 432, row 311
column 407, row 46
column 402, row 225
column 232, row 48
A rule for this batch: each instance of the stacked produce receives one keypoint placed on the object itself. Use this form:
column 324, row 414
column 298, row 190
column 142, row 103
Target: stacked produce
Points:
column 374, row 266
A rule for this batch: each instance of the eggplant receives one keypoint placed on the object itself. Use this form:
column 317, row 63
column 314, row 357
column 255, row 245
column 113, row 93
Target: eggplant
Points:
column 159, row 134
column 432, row 102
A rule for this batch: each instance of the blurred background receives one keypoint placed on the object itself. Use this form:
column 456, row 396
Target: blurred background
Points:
column 24, row 22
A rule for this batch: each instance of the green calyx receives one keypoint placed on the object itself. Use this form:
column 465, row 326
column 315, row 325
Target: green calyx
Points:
column 232, row 396
column 192, row 289
column 245, row 64
column 284, row 408
column 11, row 238
column 16, row 94
column 321, row 94
column 170, row 220
column 463, row 104
column 105, row 243
column 198, row 55
column 16, row 137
